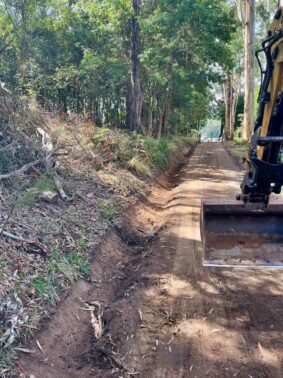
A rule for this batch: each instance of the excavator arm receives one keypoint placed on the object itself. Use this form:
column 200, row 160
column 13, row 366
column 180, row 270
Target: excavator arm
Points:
column 265, row 165
column 248, row 232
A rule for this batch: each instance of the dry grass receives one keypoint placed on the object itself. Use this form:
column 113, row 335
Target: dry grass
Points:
column 103, row 172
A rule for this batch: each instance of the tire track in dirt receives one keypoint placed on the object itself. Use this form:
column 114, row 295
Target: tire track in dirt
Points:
column 165, row 315
column 225, row 322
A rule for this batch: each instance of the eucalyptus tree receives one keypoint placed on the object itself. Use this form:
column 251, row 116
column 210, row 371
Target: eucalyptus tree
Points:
column 144, row 65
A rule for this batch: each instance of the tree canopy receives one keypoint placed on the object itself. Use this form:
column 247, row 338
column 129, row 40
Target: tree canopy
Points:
column 77, row 57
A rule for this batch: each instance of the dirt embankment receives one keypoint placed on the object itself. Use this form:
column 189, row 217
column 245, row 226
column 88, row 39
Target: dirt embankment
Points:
column 68, row 344
column 152, row 310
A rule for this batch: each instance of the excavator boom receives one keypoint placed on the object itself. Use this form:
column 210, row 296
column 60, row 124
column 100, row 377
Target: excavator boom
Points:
column 248, row 232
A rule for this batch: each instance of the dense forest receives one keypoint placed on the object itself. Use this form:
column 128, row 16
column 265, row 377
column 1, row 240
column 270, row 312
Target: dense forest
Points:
column 103, row 102
column 148, row 66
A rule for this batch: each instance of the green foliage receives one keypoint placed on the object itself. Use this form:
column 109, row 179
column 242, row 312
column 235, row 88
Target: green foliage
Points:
column 107, row 211
column 6, row 162
column 71, row 266
column 2, row 269
column 61, row 268
column 138, row 165
column 60, row 265
column 159, row 152
column 45, row 288
column 76, row 56
column 7, row 360
column 80, row 264
column 43, row 183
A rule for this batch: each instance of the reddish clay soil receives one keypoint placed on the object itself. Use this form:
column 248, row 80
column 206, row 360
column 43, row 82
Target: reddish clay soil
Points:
column 163, row 314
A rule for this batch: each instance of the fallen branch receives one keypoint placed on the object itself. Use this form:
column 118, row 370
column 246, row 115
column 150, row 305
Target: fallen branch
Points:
column 23, row 240
column 8, row 218
column 20, row 171
column 26, row 167
column 51, row 165
column 59, row 187
column 48, row 161
column 15, row 237
column 118, row 362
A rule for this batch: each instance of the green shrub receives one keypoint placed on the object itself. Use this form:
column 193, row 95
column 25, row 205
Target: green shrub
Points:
column 139, row 166
column 45, row 182
column 6, row 162
column 7, row 361
column 71, row 266
column 45, row 289
column 80, row 263
column 107, row 211
column 159, row 151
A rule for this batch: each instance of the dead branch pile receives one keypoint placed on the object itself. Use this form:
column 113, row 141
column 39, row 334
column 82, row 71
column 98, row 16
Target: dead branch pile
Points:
column 25, row 144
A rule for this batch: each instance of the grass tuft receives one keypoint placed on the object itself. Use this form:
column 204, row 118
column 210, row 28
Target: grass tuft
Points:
column 138, row 165
column 159, row 152
column 45, row 288
column 7, row 364
column 45, row 182
column 107, row 211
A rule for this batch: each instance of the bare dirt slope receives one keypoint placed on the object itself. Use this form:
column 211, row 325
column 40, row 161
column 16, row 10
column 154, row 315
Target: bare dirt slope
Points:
column 164, row 314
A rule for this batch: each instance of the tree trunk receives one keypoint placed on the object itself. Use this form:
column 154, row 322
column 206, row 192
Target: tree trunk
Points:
column 249, row 69
column 150, row 110
column 136, row 92
column 160, row 126
column 228, row 104
column 236, row 94
column 163, row 117
column 231, row 96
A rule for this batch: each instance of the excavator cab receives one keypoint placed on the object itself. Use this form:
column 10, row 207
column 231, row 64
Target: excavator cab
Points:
column 248, row 231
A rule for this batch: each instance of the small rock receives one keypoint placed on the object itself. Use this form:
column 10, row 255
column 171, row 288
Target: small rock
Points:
column 151, row 235
column 49, row 196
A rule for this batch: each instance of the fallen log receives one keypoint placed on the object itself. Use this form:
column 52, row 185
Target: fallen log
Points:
column 21, row 170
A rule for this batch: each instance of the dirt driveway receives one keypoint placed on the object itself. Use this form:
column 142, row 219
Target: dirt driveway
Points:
column 164, row 315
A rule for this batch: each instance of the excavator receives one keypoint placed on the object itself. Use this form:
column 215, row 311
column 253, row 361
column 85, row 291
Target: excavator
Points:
column 248, row 232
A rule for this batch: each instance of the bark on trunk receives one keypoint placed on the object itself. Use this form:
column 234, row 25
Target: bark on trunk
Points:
column 249, row 69
column 236, row 94
column 163, row 118
column 136, row 92
column 160, row 126
column 228, row 105
column 150, row 110
column 231, row 96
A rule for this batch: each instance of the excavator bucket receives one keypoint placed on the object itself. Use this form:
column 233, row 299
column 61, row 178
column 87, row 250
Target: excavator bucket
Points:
column 239, row 235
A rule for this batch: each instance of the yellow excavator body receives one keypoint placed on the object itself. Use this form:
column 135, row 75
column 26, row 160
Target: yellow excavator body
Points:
column 248, row 231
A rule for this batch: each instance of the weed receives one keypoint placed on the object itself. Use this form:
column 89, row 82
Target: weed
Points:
column 107, row 211
column 82, row 243
column 6, row 162
column 71, row 266
column 238, row 140
column 7, row 364
column 139, row 166
column 101, row 132
column 81, row 264
column 2, row 269
column 59, row 264
column 45, row 182
column 158, row 151
column 45, row 289
column 48, row 225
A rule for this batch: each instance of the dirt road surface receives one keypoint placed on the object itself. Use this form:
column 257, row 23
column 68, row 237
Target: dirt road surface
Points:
column 164, row 315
